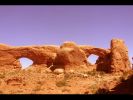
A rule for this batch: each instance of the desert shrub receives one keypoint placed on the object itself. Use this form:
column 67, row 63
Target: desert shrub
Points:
column 101, row 73
column 61, row 83
column 40, row 82
column 1, row 92
column 102, row 91
column 2, row 75
column 12, row 73
column 125, row 75
column 93, row 88
column 122, row 79
column 37, row 88
column 94, row 72
column 67, row 76
column 65, row 90
column 38, row 70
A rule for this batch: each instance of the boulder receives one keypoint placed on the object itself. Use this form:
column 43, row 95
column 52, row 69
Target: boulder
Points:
column 69, row 56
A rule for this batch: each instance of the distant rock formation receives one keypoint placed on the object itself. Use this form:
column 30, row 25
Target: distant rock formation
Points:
column 69, row 55
column 119, row 56
column 9, row 56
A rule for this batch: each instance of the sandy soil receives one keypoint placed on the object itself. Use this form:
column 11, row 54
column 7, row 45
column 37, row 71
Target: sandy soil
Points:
column 40, row 80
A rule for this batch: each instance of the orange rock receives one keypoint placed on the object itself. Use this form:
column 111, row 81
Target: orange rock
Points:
column 119, row 56
column 68, row 56
column 9, row 56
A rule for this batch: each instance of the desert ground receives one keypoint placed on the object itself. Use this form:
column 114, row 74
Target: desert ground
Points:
column 41, row 80
column 65, row 70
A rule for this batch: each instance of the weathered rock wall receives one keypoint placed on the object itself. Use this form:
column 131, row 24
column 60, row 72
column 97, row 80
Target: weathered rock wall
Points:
column 68, row 55
column 119, row 56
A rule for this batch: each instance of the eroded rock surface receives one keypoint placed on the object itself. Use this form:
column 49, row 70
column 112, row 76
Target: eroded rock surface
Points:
column 119, row 56
column 9, row 56
column 68, row 56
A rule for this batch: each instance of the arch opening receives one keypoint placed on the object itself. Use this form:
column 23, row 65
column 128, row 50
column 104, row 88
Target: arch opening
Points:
column 92, row 59
column 25, row 62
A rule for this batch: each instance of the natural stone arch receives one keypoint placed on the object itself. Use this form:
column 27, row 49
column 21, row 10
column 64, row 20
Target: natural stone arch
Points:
column 9, row 56
column 25, row 62
column 103, row 61
column 35, row 53
column 114, row 59
column 94, row 57
column 93, row 50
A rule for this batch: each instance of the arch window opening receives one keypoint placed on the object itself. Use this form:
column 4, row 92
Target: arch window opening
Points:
column 92, row 59
column 25, row 62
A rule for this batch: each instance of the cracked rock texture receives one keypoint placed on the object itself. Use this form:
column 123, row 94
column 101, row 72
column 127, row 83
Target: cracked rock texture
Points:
column 67, row 56
column 119, row 56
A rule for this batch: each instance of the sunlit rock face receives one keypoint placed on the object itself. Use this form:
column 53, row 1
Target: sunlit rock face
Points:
column 9, row 55
column 67, row 56
column 70, row 55
column 119, row 56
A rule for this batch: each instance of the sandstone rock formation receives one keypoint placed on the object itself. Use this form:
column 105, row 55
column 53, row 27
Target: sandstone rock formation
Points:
column 119, row 56
column 103, row 62
column 68, row 56
column 104, row 59
column 9, row 56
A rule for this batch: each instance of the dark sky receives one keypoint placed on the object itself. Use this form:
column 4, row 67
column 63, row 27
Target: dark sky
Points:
column 91, row 25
